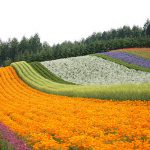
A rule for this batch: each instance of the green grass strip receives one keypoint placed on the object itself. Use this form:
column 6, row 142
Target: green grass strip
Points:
column 30, row 74
column 43, row 71
column 4, row 145
column 114, row 92
column 118, row 61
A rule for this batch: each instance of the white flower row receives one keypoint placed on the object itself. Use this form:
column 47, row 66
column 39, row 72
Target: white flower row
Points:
column 93, row 70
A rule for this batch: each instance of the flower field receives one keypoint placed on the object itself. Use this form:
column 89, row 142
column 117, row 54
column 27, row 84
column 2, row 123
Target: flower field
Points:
column 93, row 70
column 79, row 103
column 141, row 52
column 47, row 73
column 44, row 121
column 136, row 58
column 117, row 92
column 129, row 58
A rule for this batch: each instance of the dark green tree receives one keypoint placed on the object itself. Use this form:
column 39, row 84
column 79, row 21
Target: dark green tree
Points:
column 147, row 27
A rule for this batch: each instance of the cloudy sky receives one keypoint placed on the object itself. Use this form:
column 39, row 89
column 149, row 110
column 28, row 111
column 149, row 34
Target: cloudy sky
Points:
column 60, row 20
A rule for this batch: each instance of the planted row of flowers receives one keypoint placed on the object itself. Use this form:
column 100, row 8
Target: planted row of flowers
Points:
column 133, row 49
column 57, row 122
column 141, row 52
column 94, row 70
column 129, row 58
column 12, row 142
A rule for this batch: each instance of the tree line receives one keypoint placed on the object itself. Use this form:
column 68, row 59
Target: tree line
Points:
column 32, row 49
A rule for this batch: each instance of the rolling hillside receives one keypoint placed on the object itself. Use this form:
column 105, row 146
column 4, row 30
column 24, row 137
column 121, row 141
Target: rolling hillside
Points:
column 67, row 103
column 137, row 59
column 91, row 70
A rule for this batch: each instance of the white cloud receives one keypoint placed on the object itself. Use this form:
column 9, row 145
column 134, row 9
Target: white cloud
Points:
column 59, row 20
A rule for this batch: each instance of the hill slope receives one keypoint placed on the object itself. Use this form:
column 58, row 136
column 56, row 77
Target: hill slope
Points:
column 93, row 70
column 115, row 81
column 138, row 59
column 48, row 121
column 32, row 119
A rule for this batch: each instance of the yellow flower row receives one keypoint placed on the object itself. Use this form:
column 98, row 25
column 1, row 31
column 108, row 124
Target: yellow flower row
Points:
column 48, row 121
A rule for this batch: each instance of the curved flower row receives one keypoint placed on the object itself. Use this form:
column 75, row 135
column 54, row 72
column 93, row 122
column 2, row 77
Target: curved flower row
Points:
column 57, row 122
column 141, row 52
column 129, row 58
column 94, row 70
column 11, row 138
column 117, row 92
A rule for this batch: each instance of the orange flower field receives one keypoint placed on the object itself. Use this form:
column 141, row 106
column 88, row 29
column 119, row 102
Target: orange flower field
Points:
column 47, row 121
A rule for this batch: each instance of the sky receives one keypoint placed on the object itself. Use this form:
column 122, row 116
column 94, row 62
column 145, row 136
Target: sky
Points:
column 68, row 20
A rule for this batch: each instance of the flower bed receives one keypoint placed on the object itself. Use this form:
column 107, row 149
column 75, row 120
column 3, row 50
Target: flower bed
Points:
column 11, row 139
column 94, row 70
column 129, row 58
column 58, row 122
column 141, row 52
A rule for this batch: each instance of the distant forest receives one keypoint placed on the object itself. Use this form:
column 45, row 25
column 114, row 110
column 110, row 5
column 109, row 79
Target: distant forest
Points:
column 32, row 49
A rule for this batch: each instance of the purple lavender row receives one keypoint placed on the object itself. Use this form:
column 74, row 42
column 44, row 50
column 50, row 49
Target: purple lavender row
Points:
column 129, row 58
column 11, row 138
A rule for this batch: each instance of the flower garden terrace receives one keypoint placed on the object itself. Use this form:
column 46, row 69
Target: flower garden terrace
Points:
column 142, row 52
column 136, row 58
column 46, row 121
column 123, row 91
column 44, row 106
